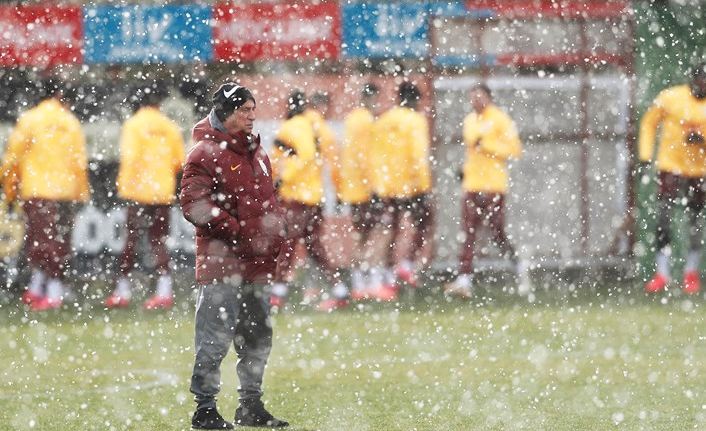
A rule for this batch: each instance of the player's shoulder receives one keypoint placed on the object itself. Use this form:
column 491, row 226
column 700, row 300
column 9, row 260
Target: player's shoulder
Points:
column 296, row 122
column 674, row 93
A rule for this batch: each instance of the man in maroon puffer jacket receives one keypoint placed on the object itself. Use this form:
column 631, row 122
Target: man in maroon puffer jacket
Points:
column 228, row 194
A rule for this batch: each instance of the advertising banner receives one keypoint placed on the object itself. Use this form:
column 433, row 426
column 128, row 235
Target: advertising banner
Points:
column 40, row 35
column 543, row 9
column 148, row 33
column 276, row 31
column 397, row 29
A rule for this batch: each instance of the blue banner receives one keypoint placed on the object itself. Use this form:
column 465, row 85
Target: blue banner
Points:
column 397, row 29
column 147, row 34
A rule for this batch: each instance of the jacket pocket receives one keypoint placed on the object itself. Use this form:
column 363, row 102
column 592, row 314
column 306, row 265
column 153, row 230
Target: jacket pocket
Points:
column 262, row 236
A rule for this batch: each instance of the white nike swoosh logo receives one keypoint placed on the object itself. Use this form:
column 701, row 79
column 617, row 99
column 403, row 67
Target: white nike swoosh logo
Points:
column 230, row 93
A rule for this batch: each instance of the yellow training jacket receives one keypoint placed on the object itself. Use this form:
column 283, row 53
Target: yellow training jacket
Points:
column 490, row 138
column 297, row 163
column 358, row 143
column 327, row 145
column 680, row 114
column 399, row 158
column 46, row 156
column 151, row 156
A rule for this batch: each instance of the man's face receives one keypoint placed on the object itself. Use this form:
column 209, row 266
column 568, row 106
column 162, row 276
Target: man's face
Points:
column 479, row 99
column 242, row 119
column 372, row 102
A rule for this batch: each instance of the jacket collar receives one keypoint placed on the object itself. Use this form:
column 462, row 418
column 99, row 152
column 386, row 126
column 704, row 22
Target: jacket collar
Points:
column 240, row 143
column 215, row 122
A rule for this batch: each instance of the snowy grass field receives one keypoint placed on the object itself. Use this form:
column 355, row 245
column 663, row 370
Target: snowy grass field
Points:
column 577, row 358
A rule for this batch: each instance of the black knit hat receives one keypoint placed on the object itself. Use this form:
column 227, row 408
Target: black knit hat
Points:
column 409, row 93
column 296, row 103
column 229, row 97
column 699, row 70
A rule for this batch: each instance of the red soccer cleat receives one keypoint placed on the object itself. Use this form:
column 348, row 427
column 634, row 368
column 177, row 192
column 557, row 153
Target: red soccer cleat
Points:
column 458, row 290
column 117, row 301
column 692, row 282
column 408, row 276
column 157, row 302
column 386, row 292
column 46, row 303
column 331, row 304
column 311, row 295
column 277, row 302
column 658, row 283
column 30, row 298
column 360, row 294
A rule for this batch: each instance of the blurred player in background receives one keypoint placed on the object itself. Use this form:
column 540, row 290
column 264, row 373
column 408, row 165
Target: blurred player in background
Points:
column 45, row 167
column 317, row 112
column 401, row 179
column 681, row 166
column 151, row 156
column 491, row 138
column 304, row 158
column 355, row 187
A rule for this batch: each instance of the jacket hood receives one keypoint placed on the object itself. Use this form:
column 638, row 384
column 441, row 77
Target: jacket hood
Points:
column 240, row 142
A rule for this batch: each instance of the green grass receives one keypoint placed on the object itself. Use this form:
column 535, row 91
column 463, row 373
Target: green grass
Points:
column 577, row 358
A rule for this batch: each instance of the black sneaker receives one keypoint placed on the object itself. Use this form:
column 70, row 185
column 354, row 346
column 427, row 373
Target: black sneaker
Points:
column 253, row 414
column 209, row 419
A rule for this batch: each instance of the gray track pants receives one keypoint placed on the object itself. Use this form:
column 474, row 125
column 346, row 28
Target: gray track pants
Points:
column 228, row 314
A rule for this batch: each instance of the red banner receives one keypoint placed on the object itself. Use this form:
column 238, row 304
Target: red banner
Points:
column 277, row 31
column 539, row 9
column 40, row 35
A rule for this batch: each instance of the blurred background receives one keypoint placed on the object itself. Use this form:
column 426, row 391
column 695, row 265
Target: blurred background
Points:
column 575, row 76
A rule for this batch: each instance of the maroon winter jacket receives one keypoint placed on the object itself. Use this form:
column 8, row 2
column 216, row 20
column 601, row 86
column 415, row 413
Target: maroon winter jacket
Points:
column 228, row 194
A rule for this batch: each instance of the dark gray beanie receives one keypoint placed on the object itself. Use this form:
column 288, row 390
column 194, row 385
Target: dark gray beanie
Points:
column 229, row 97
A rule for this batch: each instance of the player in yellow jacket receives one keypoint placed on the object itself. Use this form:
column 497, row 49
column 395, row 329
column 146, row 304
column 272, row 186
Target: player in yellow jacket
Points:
column 401, row 179
column 45, row 166
column 681, row 166
column 355, row 187
column 151, row 156
column 491, row 139
column 304, row 157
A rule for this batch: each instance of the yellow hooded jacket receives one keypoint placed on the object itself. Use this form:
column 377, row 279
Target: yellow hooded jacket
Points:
column 354, row 182
column 151, row 156
column 680, row 114
column 399, row 159
column 491, row 138
column 302, row 144
column 296, row 163
column 327, row 145
column 46, row 156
